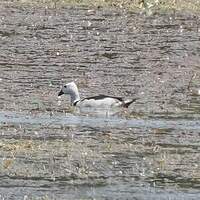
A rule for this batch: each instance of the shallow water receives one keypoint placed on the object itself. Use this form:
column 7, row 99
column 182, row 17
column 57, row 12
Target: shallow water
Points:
column 47, row 151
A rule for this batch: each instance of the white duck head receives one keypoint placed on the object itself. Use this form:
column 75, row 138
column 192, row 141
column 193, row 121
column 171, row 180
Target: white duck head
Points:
column 72, row 90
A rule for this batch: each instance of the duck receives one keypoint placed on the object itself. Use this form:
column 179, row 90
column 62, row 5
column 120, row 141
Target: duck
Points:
column 100, row 101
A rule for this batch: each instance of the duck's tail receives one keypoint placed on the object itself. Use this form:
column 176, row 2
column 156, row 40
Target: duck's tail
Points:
column 127, row 103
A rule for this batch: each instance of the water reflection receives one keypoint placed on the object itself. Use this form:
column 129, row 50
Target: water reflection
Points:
column 99, row 122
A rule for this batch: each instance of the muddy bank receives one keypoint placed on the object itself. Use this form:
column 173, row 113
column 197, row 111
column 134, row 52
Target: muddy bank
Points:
column 146, row 6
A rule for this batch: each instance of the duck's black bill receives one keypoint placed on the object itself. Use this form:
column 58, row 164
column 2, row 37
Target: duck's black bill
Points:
column 60, row 93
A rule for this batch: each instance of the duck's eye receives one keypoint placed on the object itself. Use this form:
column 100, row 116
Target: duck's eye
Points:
column 65, row 86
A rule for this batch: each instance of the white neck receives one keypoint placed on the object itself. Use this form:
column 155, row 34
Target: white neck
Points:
column 74, row 96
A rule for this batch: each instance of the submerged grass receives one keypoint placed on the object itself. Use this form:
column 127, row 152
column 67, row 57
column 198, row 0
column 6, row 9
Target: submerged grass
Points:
column 136, row 5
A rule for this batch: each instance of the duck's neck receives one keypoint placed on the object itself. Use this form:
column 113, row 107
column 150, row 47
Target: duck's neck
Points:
column 75, row 96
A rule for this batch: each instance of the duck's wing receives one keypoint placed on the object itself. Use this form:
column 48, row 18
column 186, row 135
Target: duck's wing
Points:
column 102, row 96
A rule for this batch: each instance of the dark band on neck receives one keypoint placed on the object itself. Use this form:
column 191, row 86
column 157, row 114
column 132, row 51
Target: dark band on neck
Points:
column 74, row 104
